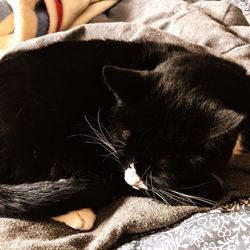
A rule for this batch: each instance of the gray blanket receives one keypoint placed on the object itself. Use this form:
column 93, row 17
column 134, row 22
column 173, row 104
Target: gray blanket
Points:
column 215, row 229
column 216, row 26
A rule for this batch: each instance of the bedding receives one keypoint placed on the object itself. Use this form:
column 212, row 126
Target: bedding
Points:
column 224, row 228
column 216, row 26
column 22, row 20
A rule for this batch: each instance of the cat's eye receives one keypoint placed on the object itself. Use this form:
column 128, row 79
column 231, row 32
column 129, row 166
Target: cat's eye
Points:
column 125, row 134
column 196, row 160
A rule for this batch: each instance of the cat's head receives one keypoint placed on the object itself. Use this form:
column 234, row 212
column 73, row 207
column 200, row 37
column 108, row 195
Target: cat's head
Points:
column 171, row 137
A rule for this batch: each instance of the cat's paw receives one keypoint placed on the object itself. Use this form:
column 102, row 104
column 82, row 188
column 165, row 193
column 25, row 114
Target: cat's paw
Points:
column 82, row 219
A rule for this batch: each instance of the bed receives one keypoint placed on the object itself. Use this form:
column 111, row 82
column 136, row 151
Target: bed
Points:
column 219, row 27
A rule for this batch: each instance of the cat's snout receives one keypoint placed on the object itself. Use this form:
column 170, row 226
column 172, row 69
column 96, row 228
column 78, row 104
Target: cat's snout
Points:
column 132, row 178
column 140, row 185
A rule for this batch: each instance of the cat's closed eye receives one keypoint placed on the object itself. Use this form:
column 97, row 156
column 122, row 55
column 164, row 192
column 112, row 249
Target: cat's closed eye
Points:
column 125, row 134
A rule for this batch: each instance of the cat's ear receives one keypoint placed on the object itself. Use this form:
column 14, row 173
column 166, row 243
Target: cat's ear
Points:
column 226, row 121
column 127, row 84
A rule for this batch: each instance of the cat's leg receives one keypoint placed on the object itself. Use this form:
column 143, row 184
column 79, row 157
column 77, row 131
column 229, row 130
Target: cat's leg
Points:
column 82, row 219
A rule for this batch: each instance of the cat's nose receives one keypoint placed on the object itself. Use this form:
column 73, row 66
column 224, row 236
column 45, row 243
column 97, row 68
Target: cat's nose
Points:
column 133, row 179
column 140, row 185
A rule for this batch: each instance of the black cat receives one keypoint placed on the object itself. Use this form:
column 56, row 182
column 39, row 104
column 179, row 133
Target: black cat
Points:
column 77, row 118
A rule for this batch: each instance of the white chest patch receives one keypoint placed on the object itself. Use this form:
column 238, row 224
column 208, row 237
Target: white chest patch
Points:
column 132, row 178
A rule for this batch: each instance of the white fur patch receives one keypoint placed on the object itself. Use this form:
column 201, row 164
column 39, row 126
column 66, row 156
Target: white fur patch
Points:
column 132, row 178
column 82, row 219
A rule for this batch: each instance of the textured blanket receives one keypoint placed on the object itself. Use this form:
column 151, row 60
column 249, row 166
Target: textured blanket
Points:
column 216, row 26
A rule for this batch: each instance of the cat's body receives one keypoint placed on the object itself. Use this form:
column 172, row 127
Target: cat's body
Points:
column 169, row 113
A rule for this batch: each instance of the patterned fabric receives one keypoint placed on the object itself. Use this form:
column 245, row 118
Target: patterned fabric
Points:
column 224, row 228
column 244, row 5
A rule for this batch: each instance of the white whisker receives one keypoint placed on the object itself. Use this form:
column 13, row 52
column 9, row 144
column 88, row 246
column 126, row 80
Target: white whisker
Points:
column 147, row 185
column 102, row 138
column 174, row 197
column 151, row 182
column 103, row 146
column 191, row 197
column 159, row 195
column 145, row 171
column 99, row 135
column 195, row 186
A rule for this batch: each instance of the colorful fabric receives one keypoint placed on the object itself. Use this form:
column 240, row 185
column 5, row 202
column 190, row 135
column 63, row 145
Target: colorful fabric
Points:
column 21, row 20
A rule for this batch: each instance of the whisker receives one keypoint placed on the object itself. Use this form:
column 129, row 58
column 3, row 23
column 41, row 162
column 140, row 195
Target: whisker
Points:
column 110, row 156
column 155, row 191
column 180, row 197
column 193, row 197
column 102, row 140
column 145, row 171
column 147, row 185
column 160, row 192
column 99, row 135
column 97, row 141
column 103, row 146
column 219, row 180
column 75, row 135
column 174, row 197
column 114, row 159
column 160, row 196
column 104, row 131
column 195, row 186
column 151, row 181
column 119, row 142
column 100, row 125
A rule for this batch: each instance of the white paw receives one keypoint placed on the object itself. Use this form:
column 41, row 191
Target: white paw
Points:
column 82, row 219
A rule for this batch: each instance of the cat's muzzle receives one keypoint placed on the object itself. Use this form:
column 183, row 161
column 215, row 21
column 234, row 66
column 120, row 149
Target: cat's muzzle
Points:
column 132, row 178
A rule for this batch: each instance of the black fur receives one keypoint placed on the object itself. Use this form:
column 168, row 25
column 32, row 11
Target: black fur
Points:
column 183, row 112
